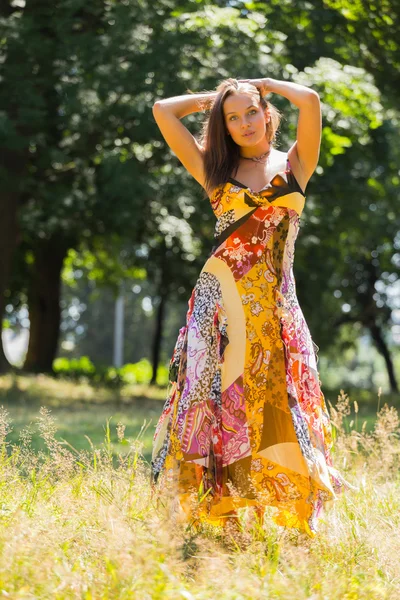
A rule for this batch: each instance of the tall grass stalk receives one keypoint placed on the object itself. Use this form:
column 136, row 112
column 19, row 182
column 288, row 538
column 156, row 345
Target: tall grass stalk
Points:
column 85, row 524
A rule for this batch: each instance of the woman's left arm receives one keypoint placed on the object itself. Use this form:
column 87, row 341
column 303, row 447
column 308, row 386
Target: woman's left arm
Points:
column 304, row 153
column 305, row 150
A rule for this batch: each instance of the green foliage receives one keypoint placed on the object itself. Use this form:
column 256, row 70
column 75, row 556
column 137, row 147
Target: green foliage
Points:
column 77, row 369
column 98, row 177
column 101, row 265
column 141, row 372
column 373, row 27
column 74, row 367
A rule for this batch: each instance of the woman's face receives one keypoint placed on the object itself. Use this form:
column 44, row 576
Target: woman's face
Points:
column 243, row 115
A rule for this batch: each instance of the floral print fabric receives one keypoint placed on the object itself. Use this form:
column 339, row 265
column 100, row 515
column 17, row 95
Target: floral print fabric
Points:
column 245, row 421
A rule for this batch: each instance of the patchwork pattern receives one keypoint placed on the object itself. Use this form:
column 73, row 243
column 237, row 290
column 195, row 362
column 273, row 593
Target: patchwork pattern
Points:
column 245, row 421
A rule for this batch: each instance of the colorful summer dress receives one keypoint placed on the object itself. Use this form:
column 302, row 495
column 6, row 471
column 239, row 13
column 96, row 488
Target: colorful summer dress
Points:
column 245, row 421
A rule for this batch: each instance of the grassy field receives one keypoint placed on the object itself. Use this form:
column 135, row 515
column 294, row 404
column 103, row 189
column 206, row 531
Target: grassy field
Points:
column 78, row 520
column 81, row 410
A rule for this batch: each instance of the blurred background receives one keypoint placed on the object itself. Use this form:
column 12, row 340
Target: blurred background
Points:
column 103, row 232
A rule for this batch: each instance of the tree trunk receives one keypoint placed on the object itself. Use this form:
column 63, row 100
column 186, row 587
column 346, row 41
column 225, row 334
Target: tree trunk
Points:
column 158, row 337
column 370, row 319
column 381, row 345
column 8, row 242
column 44, row 305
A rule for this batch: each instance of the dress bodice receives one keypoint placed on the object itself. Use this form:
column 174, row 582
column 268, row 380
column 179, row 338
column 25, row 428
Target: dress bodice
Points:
column 232, row 200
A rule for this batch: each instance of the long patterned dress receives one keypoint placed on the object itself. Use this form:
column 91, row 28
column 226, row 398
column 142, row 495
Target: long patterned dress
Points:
column 245, row 421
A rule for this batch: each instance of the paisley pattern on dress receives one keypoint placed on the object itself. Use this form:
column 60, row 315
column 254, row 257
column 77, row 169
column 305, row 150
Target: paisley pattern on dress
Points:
column 245, row 421
column 228, row 218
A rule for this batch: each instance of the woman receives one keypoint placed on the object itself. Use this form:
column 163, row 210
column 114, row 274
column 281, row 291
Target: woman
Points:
column 245, row 421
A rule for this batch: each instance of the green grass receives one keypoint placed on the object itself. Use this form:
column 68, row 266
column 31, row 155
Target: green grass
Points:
column 84, row 523
column 79, row 409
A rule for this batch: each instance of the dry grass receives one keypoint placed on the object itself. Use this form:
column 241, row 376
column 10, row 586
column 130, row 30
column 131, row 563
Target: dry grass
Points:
column 73, row 524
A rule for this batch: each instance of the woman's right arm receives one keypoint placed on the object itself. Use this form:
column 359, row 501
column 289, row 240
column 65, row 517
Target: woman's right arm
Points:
column 168, row 114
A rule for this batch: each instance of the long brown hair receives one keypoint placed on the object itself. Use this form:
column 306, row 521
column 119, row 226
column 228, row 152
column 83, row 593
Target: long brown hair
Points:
column 221, row 154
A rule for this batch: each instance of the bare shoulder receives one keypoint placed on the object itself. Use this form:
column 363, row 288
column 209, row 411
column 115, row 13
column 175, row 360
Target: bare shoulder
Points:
column 280, row 153
column 280, row 157
column 296, row 167
column 277, row 161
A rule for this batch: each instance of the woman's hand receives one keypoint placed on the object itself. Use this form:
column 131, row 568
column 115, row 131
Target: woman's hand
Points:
column 263, row 85
column 207, row 101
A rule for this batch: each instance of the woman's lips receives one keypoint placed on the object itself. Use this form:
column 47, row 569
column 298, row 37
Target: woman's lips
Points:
column 248, row 134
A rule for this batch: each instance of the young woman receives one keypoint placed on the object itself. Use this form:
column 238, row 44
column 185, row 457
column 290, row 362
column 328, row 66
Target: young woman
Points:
column 245, row 421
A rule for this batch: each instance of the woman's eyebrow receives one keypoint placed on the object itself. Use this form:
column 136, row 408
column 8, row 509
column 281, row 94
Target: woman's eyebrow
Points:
column 229, row 113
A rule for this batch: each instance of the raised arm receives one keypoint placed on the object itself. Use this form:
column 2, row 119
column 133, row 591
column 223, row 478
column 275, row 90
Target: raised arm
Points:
column 304, row 153
column 168, row 114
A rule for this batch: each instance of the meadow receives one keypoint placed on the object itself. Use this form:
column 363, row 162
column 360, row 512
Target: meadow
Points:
column 78, row 518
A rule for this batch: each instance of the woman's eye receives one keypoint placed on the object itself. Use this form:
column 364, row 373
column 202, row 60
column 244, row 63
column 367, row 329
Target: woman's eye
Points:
column 253, row 110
